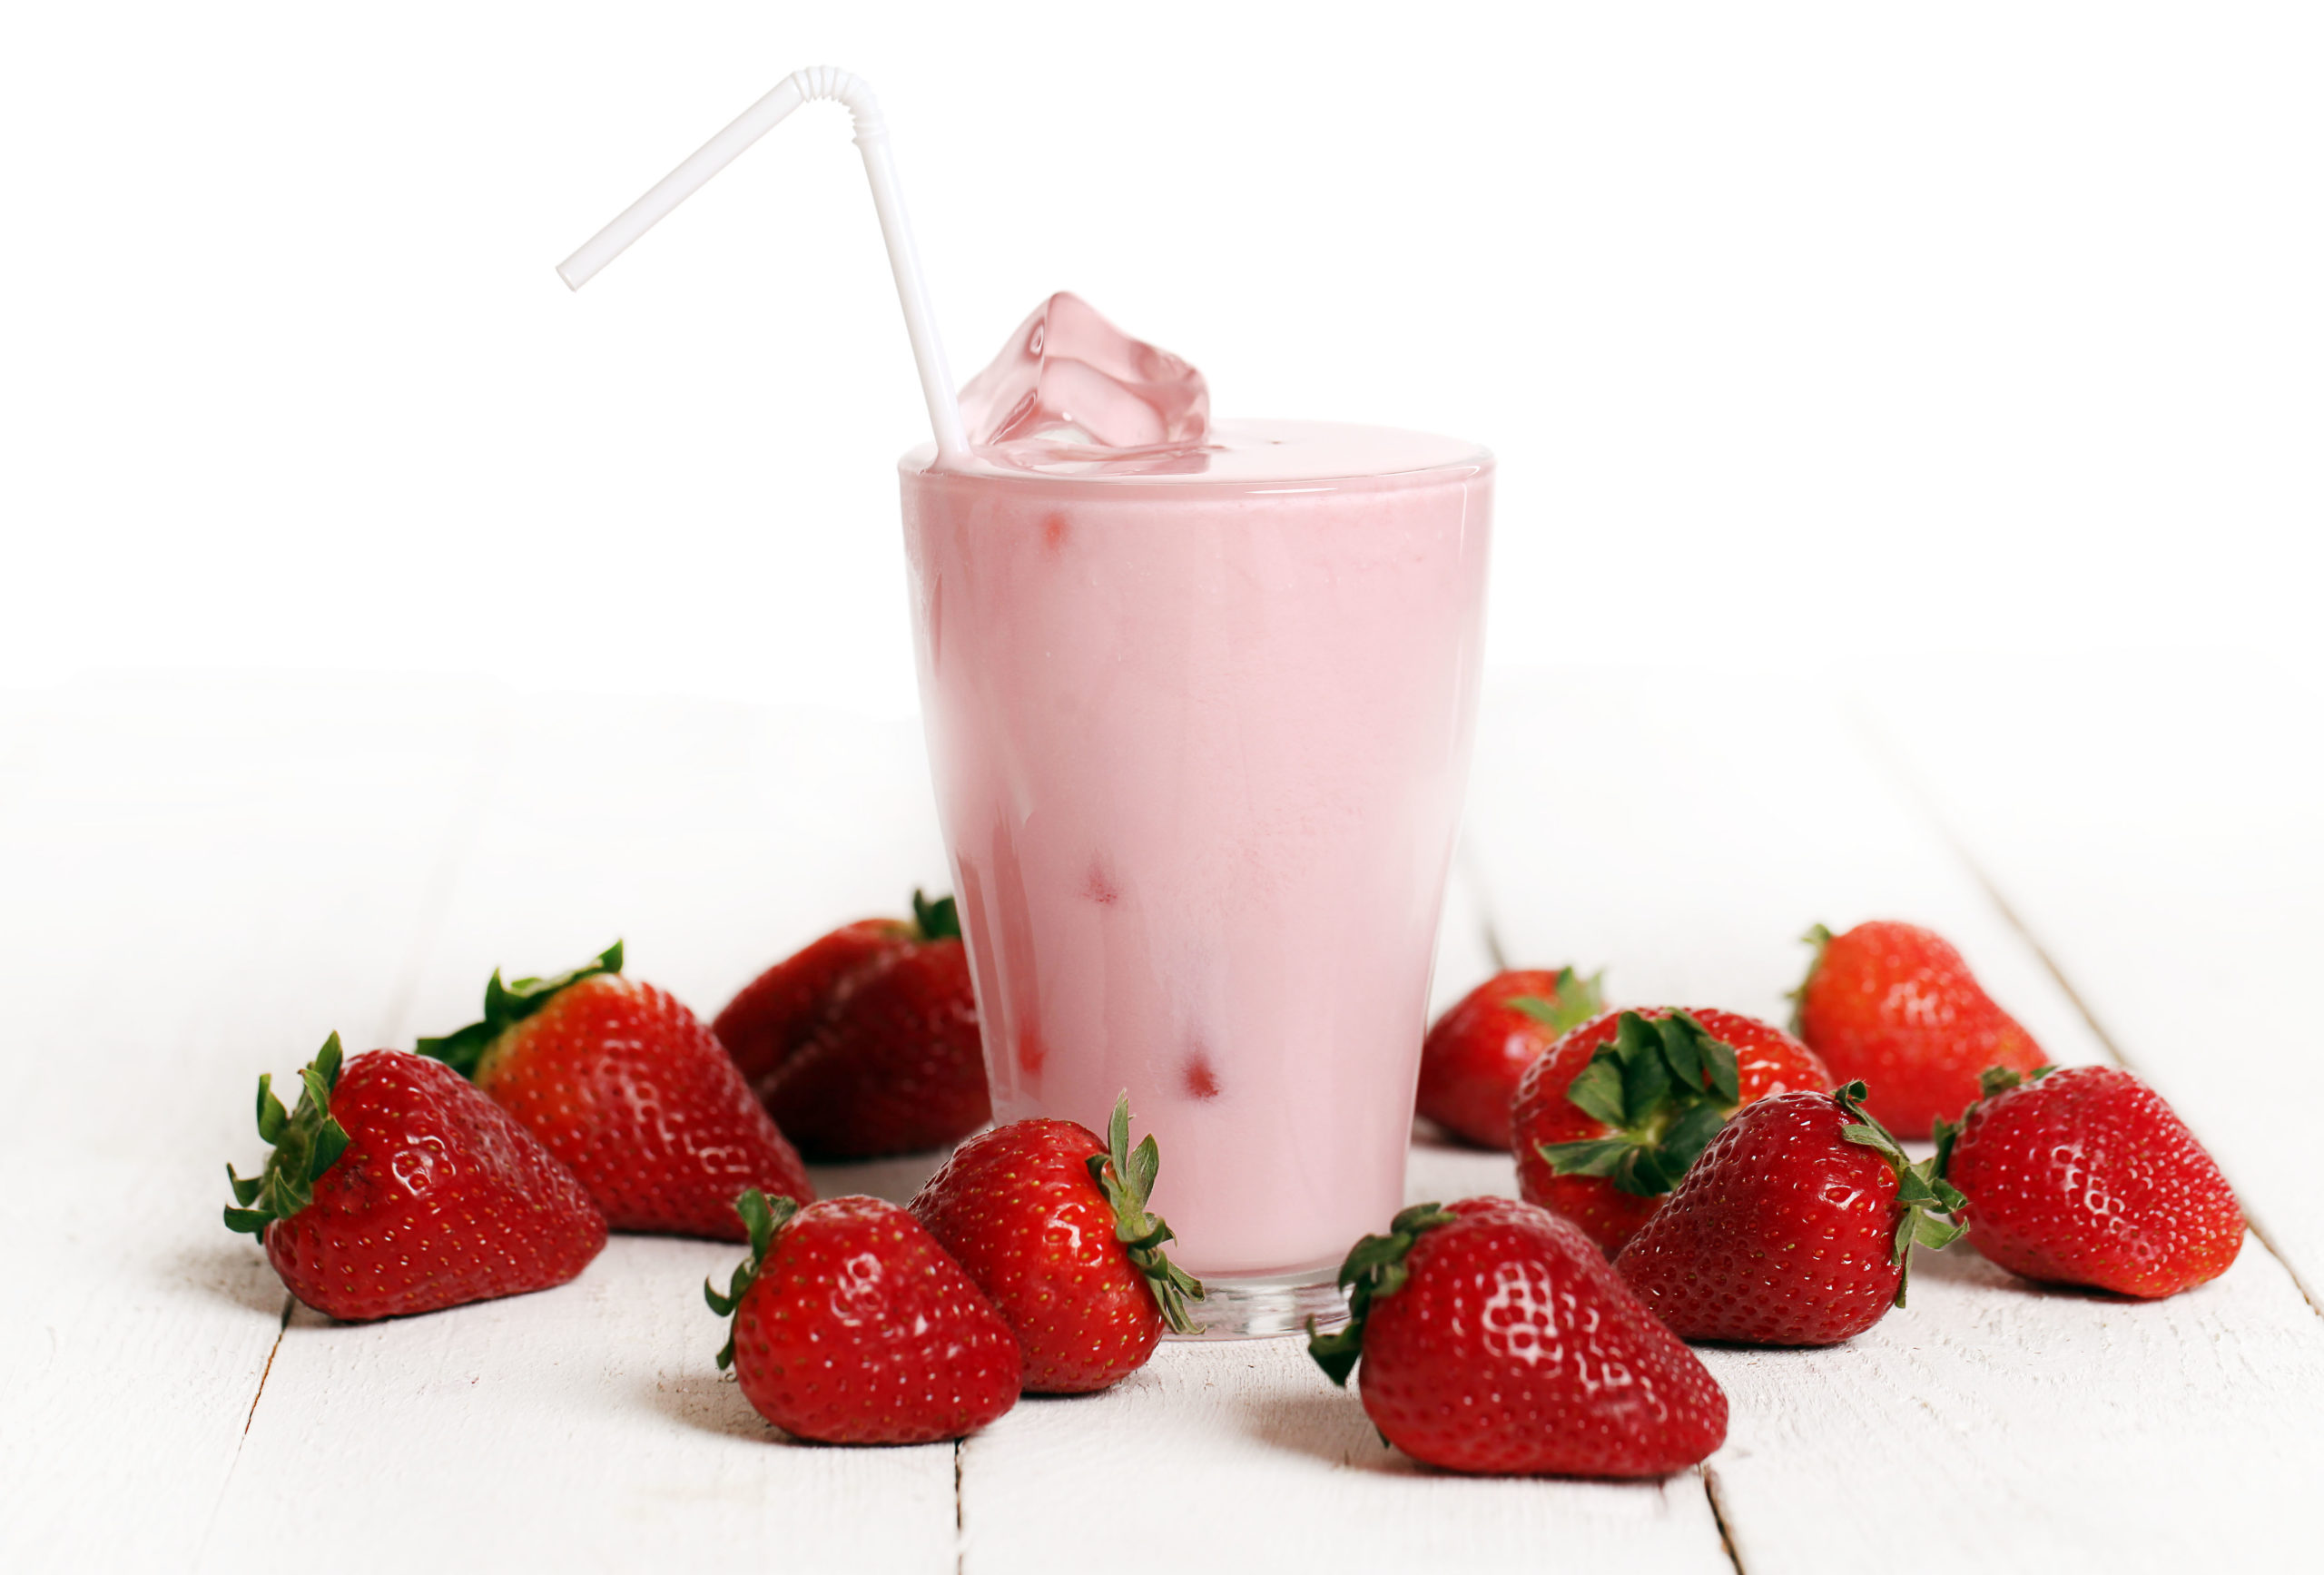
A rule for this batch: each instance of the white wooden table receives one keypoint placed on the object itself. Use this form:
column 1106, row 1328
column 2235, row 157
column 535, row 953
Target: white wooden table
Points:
column 198, row 881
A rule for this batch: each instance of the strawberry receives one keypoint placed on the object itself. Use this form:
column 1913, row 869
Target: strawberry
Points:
column 1051, row 1224
column 1610, row 1116
column 624, row 1085
column 1495, row 1338
column 2087, row 1177
column 866, row 1042
column 1894, row 1005
column 1795, row 1227
column 396, row 1188
column 851, row 1325
column 1472, row 1059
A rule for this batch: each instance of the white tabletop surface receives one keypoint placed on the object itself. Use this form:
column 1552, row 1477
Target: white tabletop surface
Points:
column 198, row 879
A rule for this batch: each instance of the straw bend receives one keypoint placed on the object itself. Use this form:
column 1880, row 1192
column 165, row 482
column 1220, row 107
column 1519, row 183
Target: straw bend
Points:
column 816, row 82
column 844, row 87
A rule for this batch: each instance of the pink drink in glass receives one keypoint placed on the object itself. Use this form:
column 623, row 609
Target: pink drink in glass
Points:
column 1200, row 732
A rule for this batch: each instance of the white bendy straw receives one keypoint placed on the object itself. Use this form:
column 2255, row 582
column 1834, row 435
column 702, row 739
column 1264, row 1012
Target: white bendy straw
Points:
column 871, row 137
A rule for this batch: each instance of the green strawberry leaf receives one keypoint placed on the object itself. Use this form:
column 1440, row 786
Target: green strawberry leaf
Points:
column 1596, row 1089
column 1721, row 1075
column 272, row 1116
column 1997, row 1080
column 937, row 920
column 1681, row 1052
column 1925, row 1201
column 1589, row 1157
column 1578, row 1000
column 1647, row 1076
column 1665, row 1086
column 507, row 1005
column 308, row 1141
column 1126, row 1176
column 1820, row 939
column 1687, row 1137
column 762, row 1217
column 1946, row 1132
column 1374, row 1267
column 1640, row 1174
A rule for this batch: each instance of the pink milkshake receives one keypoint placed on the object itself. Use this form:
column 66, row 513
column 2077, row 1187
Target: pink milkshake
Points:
column 1198, row 701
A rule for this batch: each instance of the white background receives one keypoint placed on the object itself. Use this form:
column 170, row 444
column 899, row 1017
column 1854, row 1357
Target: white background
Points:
column 1808, row 337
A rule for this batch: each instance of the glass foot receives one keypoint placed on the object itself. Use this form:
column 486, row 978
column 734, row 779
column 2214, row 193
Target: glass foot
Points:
column 1268, row 1307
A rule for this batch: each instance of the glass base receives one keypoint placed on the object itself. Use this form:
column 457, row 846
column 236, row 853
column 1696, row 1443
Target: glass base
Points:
column 1268, row 1307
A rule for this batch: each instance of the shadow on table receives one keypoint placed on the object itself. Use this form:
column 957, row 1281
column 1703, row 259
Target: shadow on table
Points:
column 896, row 1180
column 1334, row 1429
column 1962, row 1265
column 715, row 1406
column 709, row 1403
column 231, row 1271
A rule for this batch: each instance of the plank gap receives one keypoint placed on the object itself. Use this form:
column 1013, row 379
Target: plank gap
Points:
column 225, row 1482
column 960, row 1518
column 1719, row 1516
column 288, row 1301
column 1876, row 743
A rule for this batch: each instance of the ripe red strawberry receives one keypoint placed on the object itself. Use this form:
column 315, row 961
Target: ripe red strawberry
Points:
column 773, row 1015
column 2086, row 1177
column 866, row 1042
column 1894, row 1005
column 1495, row 1338
column 1051, row 1224
column 1794, row 1228
column 399, row 1188
column 1610, row 1116
column 626, row 1087
column 1474, row 1057
column 851, row 1325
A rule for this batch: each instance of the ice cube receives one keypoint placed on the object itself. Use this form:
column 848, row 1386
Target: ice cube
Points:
column 1070, row 380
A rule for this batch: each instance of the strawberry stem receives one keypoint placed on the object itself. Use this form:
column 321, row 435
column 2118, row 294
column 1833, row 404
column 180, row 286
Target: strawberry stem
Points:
column 307, row 1142
column 937, row 920
column 1926, row 1200
column 1126, row 1176
column 1819, row 938
column 506, row 1006
column 1374, row 1267
column 762, row 1217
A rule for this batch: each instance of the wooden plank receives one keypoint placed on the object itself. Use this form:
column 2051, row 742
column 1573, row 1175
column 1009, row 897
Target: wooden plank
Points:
column 1242, row 1455
column 202, row 882
column 1995, row 1425
column 586, row 1427
column 1683, row 835
column 2157, row 830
